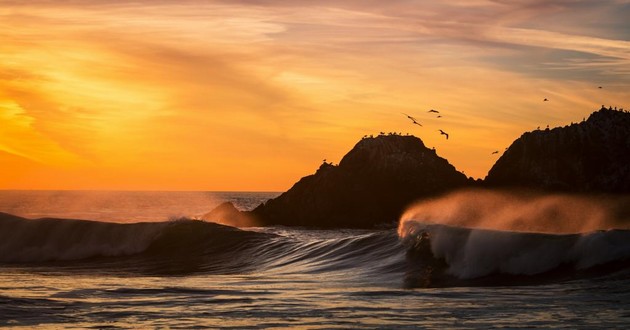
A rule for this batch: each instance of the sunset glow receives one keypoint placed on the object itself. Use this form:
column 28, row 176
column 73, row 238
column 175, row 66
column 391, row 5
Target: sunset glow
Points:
column 252, row 95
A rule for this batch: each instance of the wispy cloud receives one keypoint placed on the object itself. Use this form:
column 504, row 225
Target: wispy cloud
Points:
column 235, row 85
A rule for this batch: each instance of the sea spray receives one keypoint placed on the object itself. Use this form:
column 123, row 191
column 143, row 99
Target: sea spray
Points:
column 472, row 253
column 523, row 211
column 479, row 233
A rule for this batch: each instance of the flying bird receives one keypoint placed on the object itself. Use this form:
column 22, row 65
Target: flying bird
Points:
column 408, row 116
column 443, row 133
column 545, row 100
column 600, row 87
column 439, row 116
column 435, row 111
column 412, row 119
column 495, row 152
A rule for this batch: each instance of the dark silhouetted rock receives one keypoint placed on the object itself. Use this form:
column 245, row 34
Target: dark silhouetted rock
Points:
column 371, row 186
column 592, row 156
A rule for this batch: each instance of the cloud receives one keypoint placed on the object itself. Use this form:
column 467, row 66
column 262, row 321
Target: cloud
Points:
column 236, row 85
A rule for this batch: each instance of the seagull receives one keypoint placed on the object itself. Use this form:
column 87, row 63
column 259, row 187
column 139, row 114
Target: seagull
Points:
column 439, row 116
column 495, row 152
column 600, row 87
column 408, row 116
column 433, row 111
column 545, row 100
column 412, row 119
column 443, row 133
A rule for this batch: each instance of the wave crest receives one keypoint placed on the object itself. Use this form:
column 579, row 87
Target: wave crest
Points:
column 42, row 240
column 473, row 253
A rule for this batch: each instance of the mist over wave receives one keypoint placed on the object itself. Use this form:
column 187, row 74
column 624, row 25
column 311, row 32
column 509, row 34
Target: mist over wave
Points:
column 523, row 211
column 467, row 253
column 478, row 233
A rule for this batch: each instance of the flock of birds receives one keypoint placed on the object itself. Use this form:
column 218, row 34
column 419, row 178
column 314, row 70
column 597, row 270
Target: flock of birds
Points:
column 415, row 121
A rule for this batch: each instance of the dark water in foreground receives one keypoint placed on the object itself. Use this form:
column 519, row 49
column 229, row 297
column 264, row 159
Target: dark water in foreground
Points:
column 187, row 274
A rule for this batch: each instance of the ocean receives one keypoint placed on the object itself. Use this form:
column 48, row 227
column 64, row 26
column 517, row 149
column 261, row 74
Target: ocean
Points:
column 137, row 260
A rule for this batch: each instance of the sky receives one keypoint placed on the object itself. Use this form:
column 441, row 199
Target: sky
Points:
column 247, row 95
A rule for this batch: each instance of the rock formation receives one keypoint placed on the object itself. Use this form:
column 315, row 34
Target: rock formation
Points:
column 380, row 176
column 590, row 157
column 371, row 186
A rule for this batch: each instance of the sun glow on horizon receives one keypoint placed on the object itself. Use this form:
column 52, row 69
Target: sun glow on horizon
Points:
column 238, row 96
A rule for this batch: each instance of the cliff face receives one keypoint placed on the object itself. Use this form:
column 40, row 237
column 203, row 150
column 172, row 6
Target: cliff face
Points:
column 371, row 186
column 592, row 156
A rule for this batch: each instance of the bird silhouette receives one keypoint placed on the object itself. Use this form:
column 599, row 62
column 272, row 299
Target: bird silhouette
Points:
column 600, row 87
column 408, row 116
column 443, row 133
column 545, row 100
column 435, row 111
column 414, row 120
column 439, row 116
column 495, row 152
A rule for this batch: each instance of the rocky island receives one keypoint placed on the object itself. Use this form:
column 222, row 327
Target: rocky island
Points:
column 371, row 186
column 589, row 157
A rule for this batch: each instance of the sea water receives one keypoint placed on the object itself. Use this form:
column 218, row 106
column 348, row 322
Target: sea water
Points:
column 135, row 262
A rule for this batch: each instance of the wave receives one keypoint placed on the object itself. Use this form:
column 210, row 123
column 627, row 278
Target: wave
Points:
column 458, row 254
column 189, row 246
column 421, row 255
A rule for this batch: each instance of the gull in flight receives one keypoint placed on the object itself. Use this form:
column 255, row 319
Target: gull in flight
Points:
column 412, row 119
column 443, row 133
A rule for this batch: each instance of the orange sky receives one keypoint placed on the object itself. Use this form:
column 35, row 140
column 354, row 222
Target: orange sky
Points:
column 252, row 95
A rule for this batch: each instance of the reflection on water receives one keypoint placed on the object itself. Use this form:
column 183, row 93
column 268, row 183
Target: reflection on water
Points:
column 253, row 301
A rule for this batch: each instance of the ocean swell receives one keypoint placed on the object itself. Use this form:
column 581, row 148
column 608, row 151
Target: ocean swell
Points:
column 419, row 255
column 469, row 253
column 194, row 246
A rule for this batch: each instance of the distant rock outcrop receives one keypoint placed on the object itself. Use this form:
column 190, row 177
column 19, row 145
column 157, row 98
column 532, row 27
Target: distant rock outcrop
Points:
column 590, row 157
column 371, row 186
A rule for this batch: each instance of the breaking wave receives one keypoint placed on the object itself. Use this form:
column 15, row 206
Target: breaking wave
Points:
column 188, row 246
column 457, row 253
column 419, row 255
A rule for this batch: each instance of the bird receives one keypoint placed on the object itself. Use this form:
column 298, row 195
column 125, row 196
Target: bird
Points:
column 414, row 120
column 545, row 100
column 435, row 111
column 443, row 133
column 408, row 116
column 600, row 87
column 439, row 116
column 495, row 152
